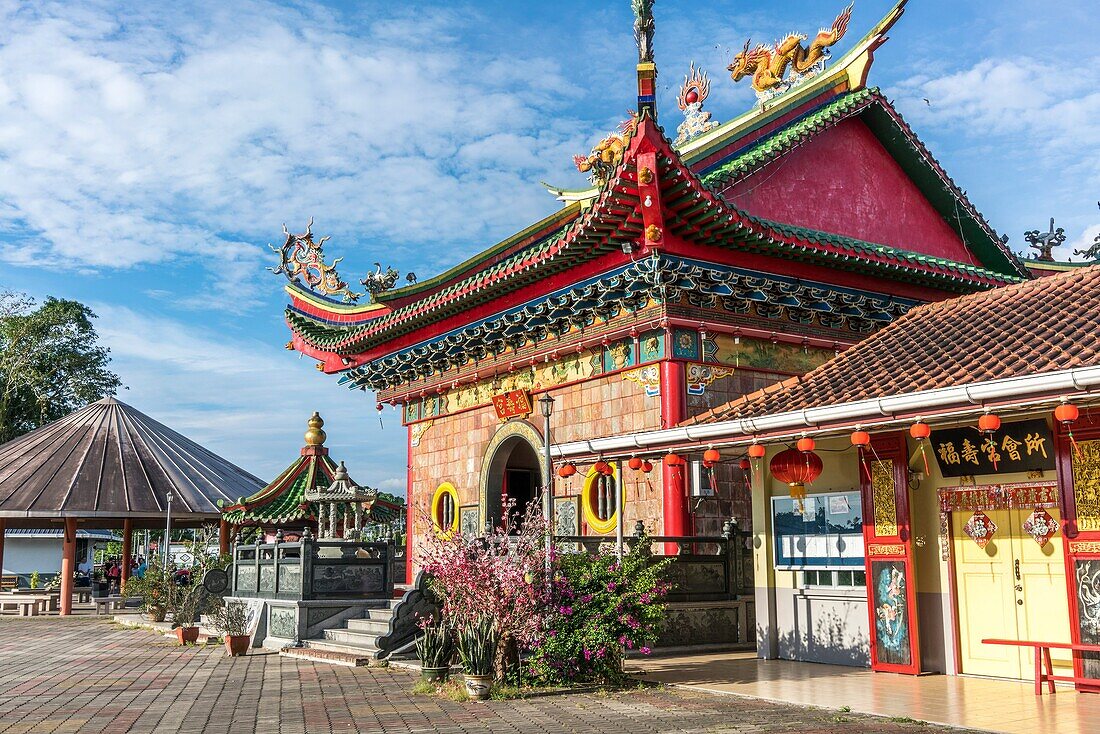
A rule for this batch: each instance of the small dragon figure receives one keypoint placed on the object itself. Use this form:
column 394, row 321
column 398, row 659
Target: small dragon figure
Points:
column 1093, row 252
column 768, row 65
column 607, row 154
column 303, row 261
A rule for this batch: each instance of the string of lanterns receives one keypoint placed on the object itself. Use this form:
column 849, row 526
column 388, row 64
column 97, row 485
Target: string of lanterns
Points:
column 796, row 467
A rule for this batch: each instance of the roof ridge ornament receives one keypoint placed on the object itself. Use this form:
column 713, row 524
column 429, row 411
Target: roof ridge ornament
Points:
column 302, row 261
column 647, row 69
column 607, row 154
column 787, row 63
column 693, row 92
column 1046, row 241
column 1093, row 252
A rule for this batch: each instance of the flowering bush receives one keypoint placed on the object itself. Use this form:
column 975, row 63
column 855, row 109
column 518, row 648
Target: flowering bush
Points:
column 501, row 575
column 601, row 608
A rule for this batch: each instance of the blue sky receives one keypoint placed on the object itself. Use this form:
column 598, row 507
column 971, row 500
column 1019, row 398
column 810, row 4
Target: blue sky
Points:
column 150, row 151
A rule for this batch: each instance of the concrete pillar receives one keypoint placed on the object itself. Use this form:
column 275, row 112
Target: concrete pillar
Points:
column 127, row 551
column 223, row 537
column 68, row 566
column 3, row 528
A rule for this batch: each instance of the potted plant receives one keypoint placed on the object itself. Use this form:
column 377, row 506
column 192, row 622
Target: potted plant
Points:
column 435, row 647
column 231, row 619
column 477, row 646
column 186, row 604
column 35, row 580
column 156, row 589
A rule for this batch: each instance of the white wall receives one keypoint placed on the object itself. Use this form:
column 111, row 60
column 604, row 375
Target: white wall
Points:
column 24, row 556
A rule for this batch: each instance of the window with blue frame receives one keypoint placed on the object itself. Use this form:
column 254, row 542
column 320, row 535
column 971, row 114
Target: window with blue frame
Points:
column 825, row 533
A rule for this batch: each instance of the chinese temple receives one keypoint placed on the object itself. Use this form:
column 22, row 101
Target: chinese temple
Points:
column 699, row 274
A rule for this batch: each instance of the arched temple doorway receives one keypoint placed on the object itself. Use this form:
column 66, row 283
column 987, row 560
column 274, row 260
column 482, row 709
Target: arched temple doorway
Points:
column 511, row 471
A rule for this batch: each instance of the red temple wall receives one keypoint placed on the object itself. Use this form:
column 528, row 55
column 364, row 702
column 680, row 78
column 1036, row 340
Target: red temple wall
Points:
column 843, row 181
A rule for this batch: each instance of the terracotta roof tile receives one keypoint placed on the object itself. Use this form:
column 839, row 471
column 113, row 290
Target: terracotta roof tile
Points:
column 1032, row 327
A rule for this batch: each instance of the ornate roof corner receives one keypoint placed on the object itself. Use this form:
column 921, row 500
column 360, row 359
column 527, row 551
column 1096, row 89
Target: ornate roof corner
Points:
column 786, row 64
column 302, row 261
column 693, row 93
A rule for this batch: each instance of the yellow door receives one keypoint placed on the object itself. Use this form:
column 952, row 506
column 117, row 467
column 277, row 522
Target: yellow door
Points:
column 1011, row 589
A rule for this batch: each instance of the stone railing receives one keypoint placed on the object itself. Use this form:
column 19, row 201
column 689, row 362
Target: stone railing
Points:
column 313, row 569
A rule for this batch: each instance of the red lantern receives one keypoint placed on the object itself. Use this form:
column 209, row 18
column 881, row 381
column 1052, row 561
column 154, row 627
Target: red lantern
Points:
column 635, row 463
column 757, row 451
column 601, row 467
column 796, row 469
column 647, row 467
column 989, row 423
column 806, row 444
column 920, row 430
column 712, row 455
column 861, row 439
column 566, row 470
column 708, row 464
column 1066, row 413
column 672, row 459
column 744, row 465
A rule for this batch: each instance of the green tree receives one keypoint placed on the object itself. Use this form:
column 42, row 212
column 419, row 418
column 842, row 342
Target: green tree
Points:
column 51, row 362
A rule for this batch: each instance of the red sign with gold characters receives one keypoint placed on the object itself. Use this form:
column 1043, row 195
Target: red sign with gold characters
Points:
column 512, row 404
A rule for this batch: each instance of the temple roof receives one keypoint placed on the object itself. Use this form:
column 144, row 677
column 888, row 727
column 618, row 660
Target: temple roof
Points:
column 1034, row 327
column 108, row 462
column 283, row 501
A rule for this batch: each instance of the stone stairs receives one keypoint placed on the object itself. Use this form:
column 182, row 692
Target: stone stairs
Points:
column 357, row 642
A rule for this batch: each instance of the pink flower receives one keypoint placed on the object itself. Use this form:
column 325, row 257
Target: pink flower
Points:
column 587, row 654
column 644, row 650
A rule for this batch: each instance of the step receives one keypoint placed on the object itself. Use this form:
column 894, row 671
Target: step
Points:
column 351, row 637
column 366, row 651
column 372, row 626
column 332, row 657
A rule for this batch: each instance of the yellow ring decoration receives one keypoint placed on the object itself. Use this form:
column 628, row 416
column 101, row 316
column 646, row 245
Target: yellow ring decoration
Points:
column 588, row 497
column 437, row 500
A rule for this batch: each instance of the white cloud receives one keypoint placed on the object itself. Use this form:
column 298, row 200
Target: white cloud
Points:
column 244, row 399
column 148, row 135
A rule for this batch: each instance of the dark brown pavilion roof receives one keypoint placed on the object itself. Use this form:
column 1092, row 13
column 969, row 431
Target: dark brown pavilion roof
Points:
column 1037, row 326
column 108, row 462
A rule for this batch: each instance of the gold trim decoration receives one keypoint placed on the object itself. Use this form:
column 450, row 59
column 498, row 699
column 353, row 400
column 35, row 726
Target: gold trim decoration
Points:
column 417, row 431
column 444, row 490
column 700, row 376
column 999, row 496
column 587, row 500
column 891, row 549
column 1086, row 484
column 884, row 499
column 1084, row 546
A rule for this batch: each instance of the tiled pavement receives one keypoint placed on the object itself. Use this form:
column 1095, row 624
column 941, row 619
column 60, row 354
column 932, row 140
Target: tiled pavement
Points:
column 87, row 675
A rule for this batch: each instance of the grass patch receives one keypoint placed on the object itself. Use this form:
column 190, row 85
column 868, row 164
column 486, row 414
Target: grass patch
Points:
column 908, row 720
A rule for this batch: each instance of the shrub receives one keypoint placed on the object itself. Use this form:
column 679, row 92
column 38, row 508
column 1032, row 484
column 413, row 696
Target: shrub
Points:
column 156, row 588
column 187, row 604
column 35, row 580
column 230, row 618
column 602, row 608
column 435, row 646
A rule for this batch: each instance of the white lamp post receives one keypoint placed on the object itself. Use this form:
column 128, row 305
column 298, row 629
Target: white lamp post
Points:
column 168, row 532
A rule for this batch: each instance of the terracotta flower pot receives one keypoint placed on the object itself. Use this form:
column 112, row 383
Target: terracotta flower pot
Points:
column 435, row 675
column 237, row 644
column 187, row 635
column 478, row 686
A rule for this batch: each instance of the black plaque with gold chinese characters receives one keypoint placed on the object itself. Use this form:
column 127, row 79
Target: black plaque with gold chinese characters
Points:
column 1017, row 447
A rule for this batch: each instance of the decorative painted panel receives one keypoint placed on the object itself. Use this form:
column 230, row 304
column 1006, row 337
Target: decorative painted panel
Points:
column 883, row 499
column 888, row 584
column 1088, row 611
column 618, row 355
column 652, row 346
column 700, row 376
column 763, row 355
column 649, row 377
column 281, row 622
column 469, row 521
column 350, row 580
column 685, row 344
column 1086, row 484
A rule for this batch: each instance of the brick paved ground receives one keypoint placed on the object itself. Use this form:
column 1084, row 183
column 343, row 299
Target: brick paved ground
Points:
column 88, row 675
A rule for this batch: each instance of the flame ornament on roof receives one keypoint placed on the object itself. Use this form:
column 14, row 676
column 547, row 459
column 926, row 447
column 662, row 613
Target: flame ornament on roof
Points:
column 693, row 93
column 302, row 261
column 775, row 69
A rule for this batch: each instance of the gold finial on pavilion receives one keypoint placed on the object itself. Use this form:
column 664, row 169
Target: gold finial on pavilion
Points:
column 315, row 436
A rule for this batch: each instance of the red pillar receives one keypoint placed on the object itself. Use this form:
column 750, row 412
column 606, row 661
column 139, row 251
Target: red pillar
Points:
column 673, row 412
column 223, row 537
column 127, row 552
column 68, row 566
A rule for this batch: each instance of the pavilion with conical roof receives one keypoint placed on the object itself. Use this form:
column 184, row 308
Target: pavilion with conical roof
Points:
column 109, row 465
column 293, row 500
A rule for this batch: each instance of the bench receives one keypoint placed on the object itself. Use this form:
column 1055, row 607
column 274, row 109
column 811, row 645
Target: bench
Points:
column 26, row 606
column 1044, row 671
column 105, row 604
column 83, row 594
column 7, row 583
